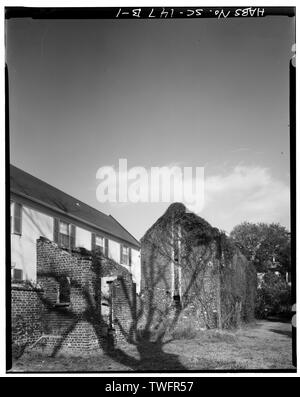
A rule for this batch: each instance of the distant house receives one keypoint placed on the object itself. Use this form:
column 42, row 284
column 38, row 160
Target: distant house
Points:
column 193, row 273
column 41, row 210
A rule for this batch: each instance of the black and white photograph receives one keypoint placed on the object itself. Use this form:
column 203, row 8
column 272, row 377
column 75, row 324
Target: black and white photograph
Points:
column 150, row 190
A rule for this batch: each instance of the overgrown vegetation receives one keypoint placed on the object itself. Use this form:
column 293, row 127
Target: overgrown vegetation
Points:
column 247, row 348
column 205, row 251
column 184, row 332
column 273, row 297
column 238, row 291
column 268, row 247
column 22, row 331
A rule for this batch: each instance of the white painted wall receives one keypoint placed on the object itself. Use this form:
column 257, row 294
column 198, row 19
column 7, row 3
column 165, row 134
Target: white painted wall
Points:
column 36, row 224
column 83, row 238
column 114, row 253
column 136, row 268
column 23, row 248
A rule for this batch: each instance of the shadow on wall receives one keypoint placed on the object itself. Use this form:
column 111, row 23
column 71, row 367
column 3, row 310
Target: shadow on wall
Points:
column 183, row 258
column 77, row 321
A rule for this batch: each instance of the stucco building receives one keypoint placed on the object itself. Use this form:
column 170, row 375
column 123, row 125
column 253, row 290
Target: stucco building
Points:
column 56, row 283
column 39, row 209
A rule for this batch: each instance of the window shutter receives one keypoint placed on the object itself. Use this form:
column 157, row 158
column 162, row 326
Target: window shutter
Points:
column 93, row 241
column 11, row 216
column 106, row 247
column 18, row 218
column 56, row 230
column 18, row 275
column 121, row 253
column 72, row 236
column 129, row 253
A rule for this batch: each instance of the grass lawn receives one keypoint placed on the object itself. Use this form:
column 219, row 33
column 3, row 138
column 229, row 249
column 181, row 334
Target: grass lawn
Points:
column 262, row 345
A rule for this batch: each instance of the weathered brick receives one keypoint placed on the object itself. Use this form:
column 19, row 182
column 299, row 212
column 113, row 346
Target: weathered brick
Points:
column 80, row 326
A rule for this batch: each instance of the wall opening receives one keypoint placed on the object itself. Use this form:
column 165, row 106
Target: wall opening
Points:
column 64, row 291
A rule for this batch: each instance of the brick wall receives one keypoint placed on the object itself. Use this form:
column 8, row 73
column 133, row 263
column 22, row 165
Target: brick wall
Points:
column 81, row 325
column 124, row 309
column 199, row 288
column 25, row 314
column 218, row 284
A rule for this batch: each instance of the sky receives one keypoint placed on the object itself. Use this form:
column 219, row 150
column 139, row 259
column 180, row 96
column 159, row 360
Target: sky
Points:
column 206, row 93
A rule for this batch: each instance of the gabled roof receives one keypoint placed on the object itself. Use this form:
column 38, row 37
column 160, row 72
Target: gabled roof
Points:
column 37, row 190
column 192, row 223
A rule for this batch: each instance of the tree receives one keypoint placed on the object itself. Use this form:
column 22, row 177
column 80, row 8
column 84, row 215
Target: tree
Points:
column 266, row 245
column 284, row 256
column 273, row 296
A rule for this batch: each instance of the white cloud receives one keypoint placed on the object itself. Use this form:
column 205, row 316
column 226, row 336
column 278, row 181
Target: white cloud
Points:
column 243, row 193
column 246, row 194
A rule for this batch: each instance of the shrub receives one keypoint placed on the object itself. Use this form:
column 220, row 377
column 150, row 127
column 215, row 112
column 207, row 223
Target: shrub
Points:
column 184, row 332
column 273, row 296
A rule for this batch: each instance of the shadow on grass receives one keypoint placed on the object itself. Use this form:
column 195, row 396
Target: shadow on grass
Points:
column 181, row 240
column 280, row 319
column 287, row 333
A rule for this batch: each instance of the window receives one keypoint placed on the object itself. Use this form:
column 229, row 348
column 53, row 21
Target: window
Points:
column 15, row 218
column 125, row 255
column 176, row 299
column 64, row 291
column 17, row 275
column 64, row 234
column 99, row 243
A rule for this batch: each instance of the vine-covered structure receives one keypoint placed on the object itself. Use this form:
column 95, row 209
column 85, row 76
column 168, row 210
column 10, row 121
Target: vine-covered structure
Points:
column 192, row 272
